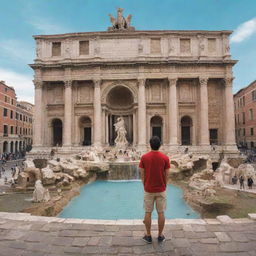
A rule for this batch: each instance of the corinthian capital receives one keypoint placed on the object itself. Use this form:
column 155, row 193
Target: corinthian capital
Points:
column 38, row 84
column 68, row 83
column 227, row 81
column 141, row 81
column 172, row 80
column 97, row 82
column 203, row 81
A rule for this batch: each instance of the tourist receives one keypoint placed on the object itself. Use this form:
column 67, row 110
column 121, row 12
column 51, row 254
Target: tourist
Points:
column 250, row 182
column 234, row 180
column 241, row 181
column 154, row 167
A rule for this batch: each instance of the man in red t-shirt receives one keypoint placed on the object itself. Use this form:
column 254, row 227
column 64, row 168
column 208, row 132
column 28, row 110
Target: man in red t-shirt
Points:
column 154, row 167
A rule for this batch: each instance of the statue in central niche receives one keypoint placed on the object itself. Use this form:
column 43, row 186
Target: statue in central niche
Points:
column 120, row 140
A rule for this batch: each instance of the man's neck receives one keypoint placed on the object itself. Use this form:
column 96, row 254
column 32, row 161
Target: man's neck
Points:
column 154, row 150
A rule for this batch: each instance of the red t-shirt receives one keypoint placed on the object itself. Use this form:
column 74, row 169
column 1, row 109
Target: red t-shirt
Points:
column 154, row 163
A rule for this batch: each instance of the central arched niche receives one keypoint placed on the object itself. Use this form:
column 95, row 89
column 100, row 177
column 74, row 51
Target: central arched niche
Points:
column 119, row 102
column 120, row 97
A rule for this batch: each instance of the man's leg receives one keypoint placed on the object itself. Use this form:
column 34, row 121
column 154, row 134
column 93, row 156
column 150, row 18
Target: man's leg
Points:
column 147, row 222
column 161, row 222
column 161, row 207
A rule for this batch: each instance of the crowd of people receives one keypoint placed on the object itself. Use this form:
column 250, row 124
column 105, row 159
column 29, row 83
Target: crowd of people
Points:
column 11, row 156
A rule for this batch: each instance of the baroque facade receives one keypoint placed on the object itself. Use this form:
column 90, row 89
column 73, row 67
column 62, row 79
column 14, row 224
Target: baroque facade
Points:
column 174, row 84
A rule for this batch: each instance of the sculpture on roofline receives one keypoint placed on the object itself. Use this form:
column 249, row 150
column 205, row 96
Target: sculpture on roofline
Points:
column 120, row 23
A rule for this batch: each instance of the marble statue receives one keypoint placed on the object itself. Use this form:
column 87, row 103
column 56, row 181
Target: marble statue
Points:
column 40, row 194
column 120, row 140
column 120, row 22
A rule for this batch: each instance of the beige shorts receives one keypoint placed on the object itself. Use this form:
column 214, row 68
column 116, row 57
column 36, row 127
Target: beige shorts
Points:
column 151, row 198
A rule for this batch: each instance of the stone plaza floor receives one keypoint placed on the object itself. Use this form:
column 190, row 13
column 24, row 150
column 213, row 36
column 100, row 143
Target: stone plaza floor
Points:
column 25, row 235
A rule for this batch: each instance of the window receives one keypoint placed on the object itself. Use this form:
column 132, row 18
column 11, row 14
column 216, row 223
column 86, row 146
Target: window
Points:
column 20, row 131
column 252, row 144
column 16, row 132
column 5, row 130
column 238, row 119
column 12, row 102
column 251, row 114
column 155, row 45
column 56, row 49
column 244, row 131
column 11, row 129
column 252, row 132
column 20, row 117
column 243, row 101
column 5, row 112
column 83, row 47
column 5, row 99
column 11, row 114
column 211, row 45
column 17, row 116
column 254, row 95
column 213, row 136
column 185, row 46
column 243, row 118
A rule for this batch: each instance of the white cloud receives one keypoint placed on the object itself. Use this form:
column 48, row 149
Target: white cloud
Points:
column 244, row 31
column 22, row 84
column 46, row 26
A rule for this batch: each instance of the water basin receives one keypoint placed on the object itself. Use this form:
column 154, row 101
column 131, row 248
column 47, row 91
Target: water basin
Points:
column 111, row 200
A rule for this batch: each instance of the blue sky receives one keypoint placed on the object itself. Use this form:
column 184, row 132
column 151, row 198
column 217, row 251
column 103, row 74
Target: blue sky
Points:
column 20, row 19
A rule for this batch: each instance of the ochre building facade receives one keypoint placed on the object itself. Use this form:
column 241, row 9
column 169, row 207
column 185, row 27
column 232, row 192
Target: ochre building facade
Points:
column 174, row 84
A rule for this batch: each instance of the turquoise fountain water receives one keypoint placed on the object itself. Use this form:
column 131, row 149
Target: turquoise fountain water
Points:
column 112, row 200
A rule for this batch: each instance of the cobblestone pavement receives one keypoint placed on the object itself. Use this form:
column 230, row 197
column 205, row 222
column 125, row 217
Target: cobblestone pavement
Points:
column 22, row 234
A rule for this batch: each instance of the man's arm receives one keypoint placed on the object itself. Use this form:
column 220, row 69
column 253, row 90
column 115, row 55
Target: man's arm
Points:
column 167, row 172
column 142, row 175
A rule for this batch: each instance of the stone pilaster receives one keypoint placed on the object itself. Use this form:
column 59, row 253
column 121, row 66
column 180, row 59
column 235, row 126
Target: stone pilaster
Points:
column 37, row 134
column 204, row 122
column 97, row 114
column 172, row 112
column 67, row 135
column 142, row 128
column 229, row 113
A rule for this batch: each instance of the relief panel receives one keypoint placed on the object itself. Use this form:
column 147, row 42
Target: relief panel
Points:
column 187, row 91
column 84, row 92
column 55, row 94
column 154, row 91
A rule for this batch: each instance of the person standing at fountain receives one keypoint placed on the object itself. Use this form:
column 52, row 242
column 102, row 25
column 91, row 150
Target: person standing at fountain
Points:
column 154, row 168
column 241, row 181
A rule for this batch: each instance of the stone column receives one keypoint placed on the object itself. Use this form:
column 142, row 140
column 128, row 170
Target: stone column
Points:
column 107, row 129
column 37, row 134
column 97, row 114
column 134, row 132
column 172, row 112
column 229, row 113
column 142, row 115
column 67, row 135
column 204, row 122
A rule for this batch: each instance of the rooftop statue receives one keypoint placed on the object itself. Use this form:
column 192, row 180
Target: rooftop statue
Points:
column 120, row 23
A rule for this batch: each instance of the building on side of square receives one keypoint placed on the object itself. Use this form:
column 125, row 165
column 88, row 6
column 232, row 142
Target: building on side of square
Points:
column 174, row 84
column 16, row 121
column 245, row 116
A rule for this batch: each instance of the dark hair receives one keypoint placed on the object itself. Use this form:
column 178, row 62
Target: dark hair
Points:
column 155, row 143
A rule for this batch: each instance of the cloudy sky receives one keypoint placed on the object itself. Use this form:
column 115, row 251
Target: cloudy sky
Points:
column 20, row 19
